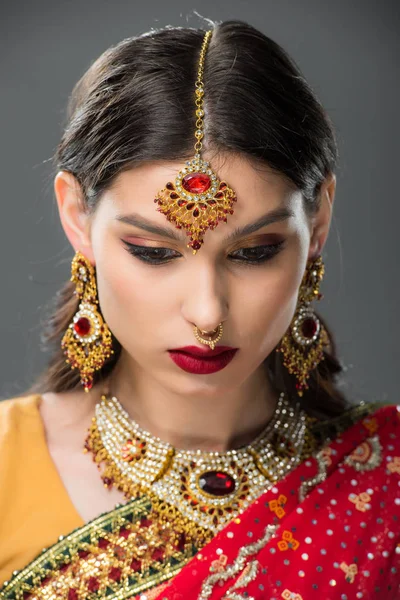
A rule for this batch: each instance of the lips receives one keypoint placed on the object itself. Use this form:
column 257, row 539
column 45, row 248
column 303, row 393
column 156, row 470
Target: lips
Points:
column 204, row 364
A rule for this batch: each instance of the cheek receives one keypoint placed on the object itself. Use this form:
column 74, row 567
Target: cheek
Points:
column 267, row 303
column 129, row 293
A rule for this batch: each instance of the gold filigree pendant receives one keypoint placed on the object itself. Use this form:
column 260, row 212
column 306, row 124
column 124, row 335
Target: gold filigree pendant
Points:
column 196, row 201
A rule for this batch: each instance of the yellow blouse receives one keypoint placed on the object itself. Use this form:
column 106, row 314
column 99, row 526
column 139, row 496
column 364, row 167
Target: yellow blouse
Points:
column 35, row 508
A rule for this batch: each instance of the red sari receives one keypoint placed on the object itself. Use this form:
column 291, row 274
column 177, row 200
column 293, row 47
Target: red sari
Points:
column 329, row 530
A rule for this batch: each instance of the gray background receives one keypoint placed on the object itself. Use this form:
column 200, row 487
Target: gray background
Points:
column 349, row 52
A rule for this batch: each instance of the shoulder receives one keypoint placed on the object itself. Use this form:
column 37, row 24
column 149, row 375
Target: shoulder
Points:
column 374, row 417
column 14, row 411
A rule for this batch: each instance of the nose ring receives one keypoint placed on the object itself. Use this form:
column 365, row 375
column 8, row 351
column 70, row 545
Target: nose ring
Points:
column 210, row 338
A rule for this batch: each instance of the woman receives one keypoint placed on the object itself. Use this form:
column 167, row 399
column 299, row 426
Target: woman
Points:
column 188, row 439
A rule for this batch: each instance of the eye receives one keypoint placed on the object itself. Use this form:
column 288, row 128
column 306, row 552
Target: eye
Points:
column 257, row 254
column 153, row 256
column 249, row 256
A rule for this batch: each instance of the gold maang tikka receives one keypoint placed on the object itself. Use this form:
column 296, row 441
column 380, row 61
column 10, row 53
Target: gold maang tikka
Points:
column 197, row 200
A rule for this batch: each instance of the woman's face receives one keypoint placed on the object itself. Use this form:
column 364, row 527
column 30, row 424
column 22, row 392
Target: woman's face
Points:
column 152, row 289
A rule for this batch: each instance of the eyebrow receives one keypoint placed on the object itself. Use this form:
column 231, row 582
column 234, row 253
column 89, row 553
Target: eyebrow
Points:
column 278, row 214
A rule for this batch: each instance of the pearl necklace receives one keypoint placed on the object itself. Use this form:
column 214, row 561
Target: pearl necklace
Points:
column 207, row 488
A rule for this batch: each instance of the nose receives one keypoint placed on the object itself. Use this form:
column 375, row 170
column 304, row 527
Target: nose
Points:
column 206, row 300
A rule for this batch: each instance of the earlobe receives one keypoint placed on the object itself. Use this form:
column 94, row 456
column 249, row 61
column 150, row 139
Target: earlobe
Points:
column 73, row 216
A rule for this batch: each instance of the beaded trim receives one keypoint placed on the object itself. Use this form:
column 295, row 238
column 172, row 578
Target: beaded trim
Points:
column 117, row 555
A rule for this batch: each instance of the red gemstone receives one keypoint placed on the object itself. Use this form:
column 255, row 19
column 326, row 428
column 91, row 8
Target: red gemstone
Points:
column 309, row 327
column 157, row 554
column 72, row 594
column 103, row 543
column 196, row 245
column 93, row 584
column 196, row 212
column 45, row 581
column 136, row 565
column 217, row 483
column 180, row 546
column 124, row 532
column 82, row 326
column 115, row 574
column 196, row 183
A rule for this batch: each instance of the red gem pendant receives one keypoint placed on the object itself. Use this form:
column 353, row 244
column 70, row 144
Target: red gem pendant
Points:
column 309, row 328
column 196, row 183
column 217, row 483
column 196, row 201
column 82, row 326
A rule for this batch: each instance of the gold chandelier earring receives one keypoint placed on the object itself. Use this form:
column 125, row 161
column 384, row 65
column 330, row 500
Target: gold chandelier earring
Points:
column 87, row 342
column 303, row 344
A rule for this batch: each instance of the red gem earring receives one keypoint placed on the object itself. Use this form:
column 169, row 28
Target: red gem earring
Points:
column 303, row 344
column 87, row 342
column 197, row 200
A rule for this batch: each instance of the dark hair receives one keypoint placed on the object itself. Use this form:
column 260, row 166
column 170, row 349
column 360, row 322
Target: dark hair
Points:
column 135, row 104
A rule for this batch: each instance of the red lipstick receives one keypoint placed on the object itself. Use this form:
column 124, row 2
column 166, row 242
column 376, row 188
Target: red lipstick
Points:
column 202, row 361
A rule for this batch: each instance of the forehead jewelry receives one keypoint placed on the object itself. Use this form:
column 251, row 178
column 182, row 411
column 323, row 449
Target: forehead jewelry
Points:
column 197, row 200
column 210, row 338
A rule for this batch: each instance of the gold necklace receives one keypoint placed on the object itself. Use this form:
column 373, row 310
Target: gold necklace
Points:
column 207, row 489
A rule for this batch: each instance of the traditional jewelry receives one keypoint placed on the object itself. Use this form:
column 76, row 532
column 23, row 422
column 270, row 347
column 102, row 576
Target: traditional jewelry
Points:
column 87, row 342
column 197, row 200
column 207, row 489
column 303, row 344
column 210, row 338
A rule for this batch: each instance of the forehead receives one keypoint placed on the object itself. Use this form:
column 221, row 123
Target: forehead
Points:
column 258, row 190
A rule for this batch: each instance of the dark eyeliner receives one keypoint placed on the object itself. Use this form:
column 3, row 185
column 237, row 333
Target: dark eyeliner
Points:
column 144, row 253
column 267, row 251
column 159, row 256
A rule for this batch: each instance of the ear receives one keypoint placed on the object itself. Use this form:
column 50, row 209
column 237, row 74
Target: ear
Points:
column 322, row 220
column 74, row 217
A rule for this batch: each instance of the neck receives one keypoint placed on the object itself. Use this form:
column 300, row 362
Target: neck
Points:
column 198, row 417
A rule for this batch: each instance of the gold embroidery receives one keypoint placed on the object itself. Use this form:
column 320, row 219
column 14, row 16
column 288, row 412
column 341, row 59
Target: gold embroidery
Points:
column 249, row 574
column 350, row 571
column 238, row 564
column 366, row 456
column 361, row 501
column 288, row 541
column 218, row 565
column 117, row 555
column 323, row 461
column 288, row 595
column 326, row 454
column 276, row 506
column 394, row 466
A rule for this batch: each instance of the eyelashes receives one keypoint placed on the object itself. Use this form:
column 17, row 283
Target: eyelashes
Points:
column 255, row 255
